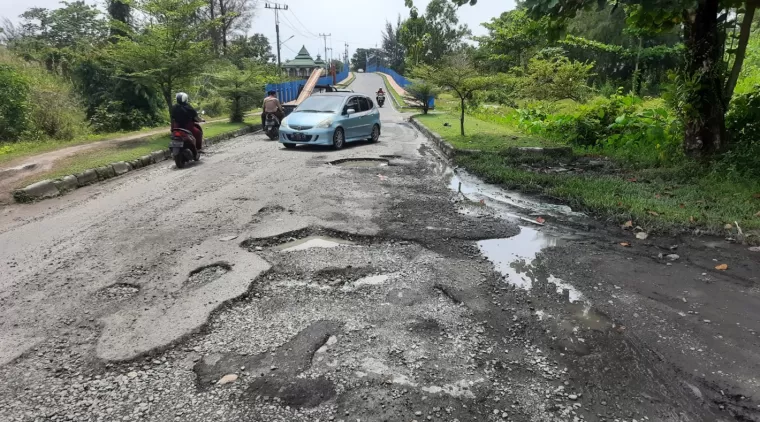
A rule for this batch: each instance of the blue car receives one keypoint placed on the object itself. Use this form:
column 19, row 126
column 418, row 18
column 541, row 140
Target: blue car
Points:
column 331, row 119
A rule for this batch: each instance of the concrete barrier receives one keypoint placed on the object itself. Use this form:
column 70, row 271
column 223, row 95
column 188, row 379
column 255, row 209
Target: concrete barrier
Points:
column 86, row 177
column 50, row 188
column 446, row 148
column 40, row 190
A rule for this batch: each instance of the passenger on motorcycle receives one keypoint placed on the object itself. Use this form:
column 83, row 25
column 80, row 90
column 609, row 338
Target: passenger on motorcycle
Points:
column 380, row 92
column 272, row 105
column 184, row 116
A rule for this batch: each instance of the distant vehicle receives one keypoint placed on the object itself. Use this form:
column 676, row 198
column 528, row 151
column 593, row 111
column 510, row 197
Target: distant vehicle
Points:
column 331, row 119
column 361, row 70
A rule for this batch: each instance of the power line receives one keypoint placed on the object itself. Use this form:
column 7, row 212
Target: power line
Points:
column 302, row 25
column 292, row 27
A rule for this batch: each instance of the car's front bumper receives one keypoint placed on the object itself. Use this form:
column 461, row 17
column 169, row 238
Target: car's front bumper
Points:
column 312, row 136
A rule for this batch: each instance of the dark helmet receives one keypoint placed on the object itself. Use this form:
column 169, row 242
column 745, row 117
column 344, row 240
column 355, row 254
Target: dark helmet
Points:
column 272, row 93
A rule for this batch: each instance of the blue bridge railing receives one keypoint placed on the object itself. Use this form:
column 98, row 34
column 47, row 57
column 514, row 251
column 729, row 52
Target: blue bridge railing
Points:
column 288, row 91
column 400, row 80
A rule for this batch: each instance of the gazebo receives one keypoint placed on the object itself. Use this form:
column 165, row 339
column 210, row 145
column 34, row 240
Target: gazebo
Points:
column 303, row 64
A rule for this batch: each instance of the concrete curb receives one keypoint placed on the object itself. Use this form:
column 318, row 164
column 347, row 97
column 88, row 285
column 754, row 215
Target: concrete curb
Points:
column 446, row 148
column 51, row 188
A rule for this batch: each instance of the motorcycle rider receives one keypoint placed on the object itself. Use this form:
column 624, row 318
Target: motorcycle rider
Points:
column 272, row 105
column 184, row 116
column 380, row 92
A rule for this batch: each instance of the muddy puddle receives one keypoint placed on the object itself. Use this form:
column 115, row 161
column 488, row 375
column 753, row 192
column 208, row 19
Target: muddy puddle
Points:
column 513, row 257
column 360, row 162
column 508, row 204
column 312, row 242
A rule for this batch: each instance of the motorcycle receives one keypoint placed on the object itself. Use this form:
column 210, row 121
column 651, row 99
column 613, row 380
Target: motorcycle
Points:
column 272, row 126
column 182, row 146
column 380, row 100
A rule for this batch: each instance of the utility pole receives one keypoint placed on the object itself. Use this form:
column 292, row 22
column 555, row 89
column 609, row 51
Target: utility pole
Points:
column 345, row 57
column 277, row 7
column 324, row 37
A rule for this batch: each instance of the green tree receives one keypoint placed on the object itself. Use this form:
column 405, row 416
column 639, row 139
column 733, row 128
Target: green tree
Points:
column 359, row 59
column 244, row 50
column 242, row 88
column 393, row 50
column 513, row 38
column 14, row 103
column 167, row 50
column 705, row 42
column 456, row 73
column 555, row 78
column 423, row 92
column 435, row 34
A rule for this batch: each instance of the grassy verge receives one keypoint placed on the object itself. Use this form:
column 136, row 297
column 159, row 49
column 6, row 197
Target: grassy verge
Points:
column 480, row 135
column 11, row 151
column 668, row 199
column 122, row 151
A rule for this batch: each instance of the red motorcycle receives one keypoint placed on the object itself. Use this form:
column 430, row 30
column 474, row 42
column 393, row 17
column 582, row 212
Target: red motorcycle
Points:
column 182, row 146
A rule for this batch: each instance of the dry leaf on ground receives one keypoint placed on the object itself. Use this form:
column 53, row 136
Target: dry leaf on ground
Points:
column 625, row 244
column 654, row 213
column 641, row 235
column 628, row 224
column 540, row 220
column 721, row 267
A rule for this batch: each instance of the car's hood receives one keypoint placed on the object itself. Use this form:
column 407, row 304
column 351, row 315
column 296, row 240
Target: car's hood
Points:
column 307, row 118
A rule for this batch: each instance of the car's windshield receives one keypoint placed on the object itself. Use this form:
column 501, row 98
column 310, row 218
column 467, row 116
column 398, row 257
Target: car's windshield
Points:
column 320, row 104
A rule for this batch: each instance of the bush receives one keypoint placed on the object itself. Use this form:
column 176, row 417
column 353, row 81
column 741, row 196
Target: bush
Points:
column 36, row 104
column 743, row 124
column 214, row 106
column 423, row 92
column 14, row 103
column 556, row 78
column 114, row 116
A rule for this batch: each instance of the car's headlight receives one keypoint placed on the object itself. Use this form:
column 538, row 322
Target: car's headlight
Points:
column 324, row 123
column 284, row 122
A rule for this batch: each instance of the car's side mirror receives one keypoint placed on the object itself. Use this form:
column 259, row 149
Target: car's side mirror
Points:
column 350, row 111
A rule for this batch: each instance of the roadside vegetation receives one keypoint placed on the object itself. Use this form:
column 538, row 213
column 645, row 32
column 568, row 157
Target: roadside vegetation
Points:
column 120, row 151
column 75, row 74
column 660, row 138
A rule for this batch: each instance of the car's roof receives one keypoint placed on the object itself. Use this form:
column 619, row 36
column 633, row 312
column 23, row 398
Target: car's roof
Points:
column 335, row 94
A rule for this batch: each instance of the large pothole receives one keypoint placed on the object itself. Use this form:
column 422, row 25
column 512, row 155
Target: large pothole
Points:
column 310, row 237
column 208, row 273
column 119, row 291
column 360, row 162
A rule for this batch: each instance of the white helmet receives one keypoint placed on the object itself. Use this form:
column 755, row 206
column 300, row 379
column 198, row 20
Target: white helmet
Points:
column 182, row 98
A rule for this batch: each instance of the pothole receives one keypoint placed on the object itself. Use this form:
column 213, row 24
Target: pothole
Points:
column 310, row 237
column 360, row 162
column 312, row 242
column 335, row 276
column 390, row 156
column 118, row 291
column 208, row 273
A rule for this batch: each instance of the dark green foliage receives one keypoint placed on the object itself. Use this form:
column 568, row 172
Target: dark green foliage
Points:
column 743, row 122
column 14, row 103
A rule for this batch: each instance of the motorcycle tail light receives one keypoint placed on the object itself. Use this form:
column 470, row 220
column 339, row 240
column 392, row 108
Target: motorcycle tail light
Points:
column 178, row 134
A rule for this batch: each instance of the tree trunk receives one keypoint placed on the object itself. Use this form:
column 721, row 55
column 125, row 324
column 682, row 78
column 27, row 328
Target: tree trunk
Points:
column 705, row 131
column 636, row 72
column 461, row 119
column 225, row 24
column 741, row 49
column 214, row 37
column 167, row 91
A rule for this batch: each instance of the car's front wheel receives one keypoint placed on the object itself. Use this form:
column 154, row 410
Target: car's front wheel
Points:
column 339, row 138
column 375, row 133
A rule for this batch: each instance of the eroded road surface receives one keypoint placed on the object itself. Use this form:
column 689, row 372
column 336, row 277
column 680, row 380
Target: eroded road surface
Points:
column 265, row 284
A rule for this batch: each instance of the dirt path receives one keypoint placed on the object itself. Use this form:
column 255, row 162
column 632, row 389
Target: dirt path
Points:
column 14, row 171
column 270, row 284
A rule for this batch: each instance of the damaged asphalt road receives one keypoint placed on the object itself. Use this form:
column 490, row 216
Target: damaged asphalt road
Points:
column 265, row 284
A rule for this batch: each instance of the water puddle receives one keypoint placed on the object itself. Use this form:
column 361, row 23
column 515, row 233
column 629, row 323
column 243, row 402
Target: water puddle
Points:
column 360, row 162
column 513, row 258
column 508, row 204
column 312, row 242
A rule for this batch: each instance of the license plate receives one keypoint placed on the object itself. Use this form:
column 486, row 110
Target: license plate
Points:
column 299, row 136
column 176, row 144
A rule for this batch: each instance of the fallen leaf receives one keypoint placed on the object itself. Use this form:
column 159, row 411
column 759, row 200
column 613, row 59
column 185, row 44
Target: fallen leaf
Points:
column 625, row 244
column 754, row 249
column 540, row 220
column 628, row 224
column 654, row 213
column 728, row 227
column 721, row 267
column 691, row 219
column 641, row 235
column 633, row 179
column 682, row 205
column 620, row 204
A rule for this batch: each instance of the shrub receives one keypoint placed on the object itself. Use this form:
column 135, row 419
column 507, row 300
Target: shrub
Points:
column 743, row 124
column 214, row 106
column 556, row 78
column 423, row 92
column 14, row 103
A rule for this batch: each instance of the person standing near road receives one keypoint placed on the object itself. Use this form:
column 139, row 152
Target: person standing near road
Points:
column 272, row 105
